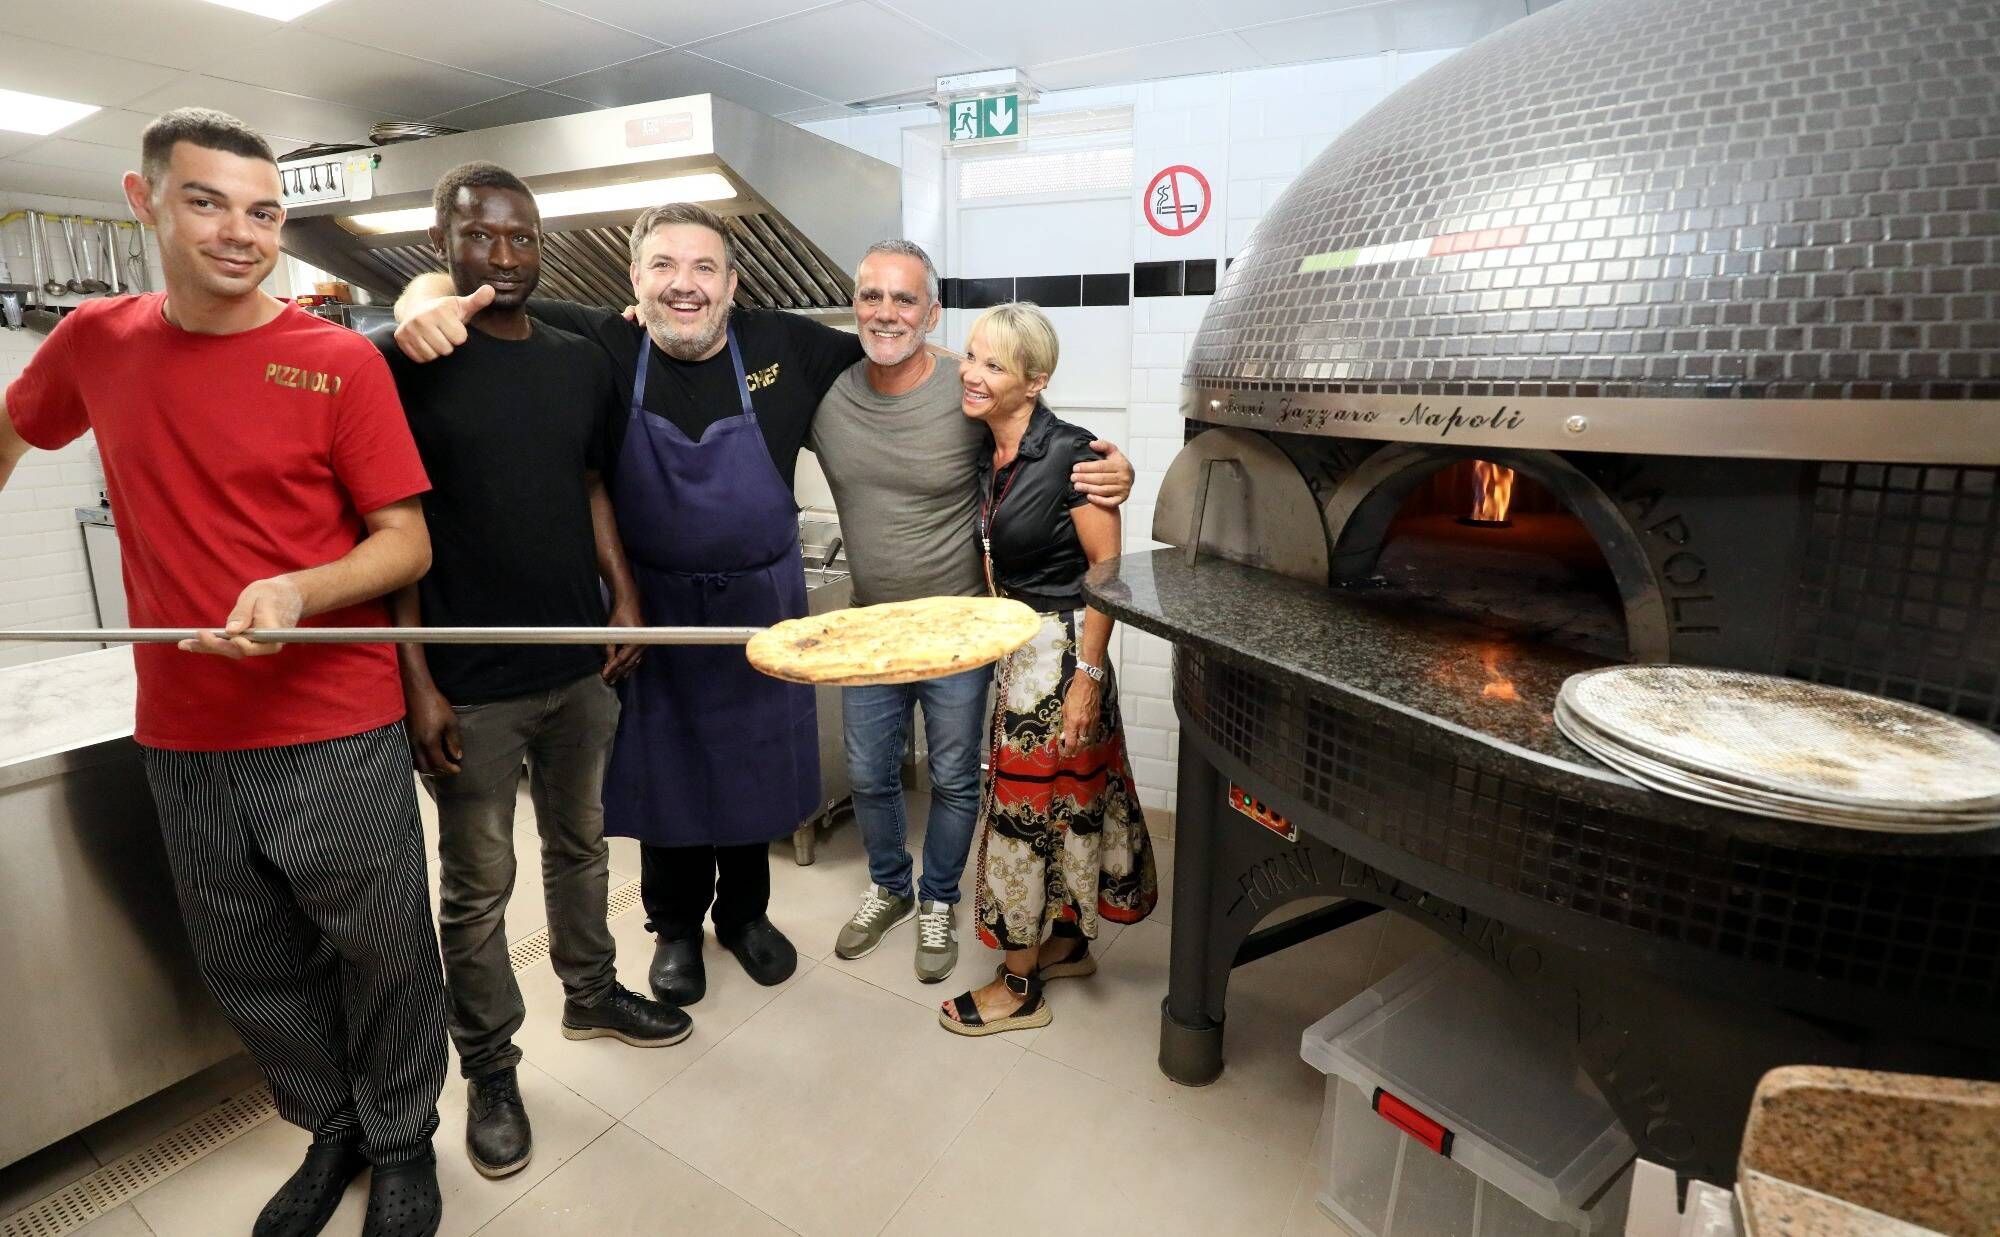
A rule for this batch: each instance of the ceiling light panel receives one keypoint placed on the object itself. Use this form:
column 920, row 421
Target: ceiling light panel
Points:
column 276, row 10
column 39, row 114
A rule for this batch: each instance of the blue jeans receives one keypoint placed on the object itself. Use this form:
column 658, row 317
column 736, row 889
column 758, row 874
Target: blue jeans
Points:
column 876, row 724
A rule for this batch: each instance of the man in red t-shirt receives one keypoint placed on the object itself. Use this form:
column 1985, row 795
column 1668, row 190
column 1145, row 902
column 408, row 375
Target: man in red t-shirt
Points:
column 264, row 477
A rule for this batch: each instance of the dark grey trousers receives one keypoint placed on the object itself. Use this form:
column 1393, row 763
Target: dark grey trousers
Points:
column 565, row 736
column 300, row 871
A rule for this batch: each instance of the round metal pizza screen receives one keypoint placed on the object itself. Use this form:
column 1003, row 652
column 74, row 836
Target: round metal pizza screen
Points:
column 1795, row 738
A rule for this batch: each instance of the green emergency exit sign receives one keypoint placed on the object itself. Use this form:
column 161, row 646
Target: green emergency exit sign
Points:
column 979, row 120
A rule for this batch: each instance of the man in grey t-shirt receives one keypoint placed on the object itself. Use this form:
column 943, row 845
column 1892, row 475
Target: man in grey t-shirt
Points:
column 900, row 456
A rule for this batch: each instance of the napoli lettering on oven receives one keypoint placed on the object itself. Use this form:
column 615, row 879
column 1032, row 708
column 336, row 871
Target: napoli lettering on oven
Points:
column 1425, row 417
column 298, row 379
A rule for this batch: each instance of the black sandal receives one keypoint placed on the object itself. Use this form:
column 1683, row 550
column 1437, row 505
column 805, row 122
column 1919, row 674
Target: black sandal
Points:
column 1033, row 1012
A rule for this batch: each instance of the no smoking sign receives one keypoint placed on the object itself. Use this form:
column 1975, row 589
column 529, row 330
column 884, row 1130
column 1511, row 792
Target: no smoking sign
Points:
column 1176, row 200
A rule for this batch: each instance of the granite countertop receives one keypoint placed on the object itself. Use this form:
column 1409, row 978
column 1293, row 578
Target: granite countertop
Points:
column 1483, row 689
column 64, row 713
column 1830, row 1152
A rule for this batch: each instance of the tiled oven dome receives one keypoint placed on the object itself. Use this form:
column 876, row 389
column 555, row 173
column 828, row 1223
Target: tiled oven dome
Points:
column 1788, row 200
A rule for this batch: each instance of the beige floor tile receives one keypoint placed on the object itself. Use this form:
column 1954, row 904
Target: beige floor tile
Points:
column 810, row 903
column 123, row 1222
column 624, row 860
column 122, row 1133
column 615, row 1076
column 39, row 1175
column 1109, row 1026
column 1056, row 1150
column 564, row 1124
column 892, row 967
column 624, row 1185
column 223, row 1192
column 828, row 1106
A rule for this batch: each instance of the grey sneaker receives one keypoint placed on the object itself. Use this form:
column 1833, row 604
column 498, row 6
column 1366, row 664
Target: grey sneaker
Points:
column 879, row 911
column 937, row 941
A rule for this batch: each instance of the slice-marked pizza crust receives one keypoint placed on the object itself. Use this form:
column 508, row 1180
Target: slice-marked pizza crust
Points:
column 896, row 642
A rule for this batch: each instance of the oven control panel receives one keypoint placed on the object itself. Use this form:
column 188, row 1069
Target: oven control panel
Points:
column 1262, row 813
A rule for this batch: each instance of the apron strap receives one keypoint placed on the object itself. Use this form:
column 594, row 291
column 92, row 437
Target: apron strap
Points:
column 645, row 363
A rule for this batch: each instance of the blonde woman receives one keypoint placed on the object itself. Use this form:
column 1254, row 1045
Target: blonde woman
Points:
column 1064, row 841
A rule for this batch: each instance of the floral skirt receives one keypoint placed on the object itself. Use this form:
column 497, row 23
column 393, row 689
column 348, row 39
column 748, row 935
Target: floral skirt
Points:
column 1063, row 838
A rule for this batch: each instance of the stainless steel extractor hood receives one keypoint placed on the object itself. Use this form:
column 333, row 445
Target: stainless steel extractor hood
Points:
column 800, row 208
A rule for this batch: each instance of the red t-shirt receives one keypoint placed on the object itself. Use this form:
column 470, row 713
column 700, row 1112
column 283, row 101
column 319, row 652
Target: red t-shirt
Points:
column 230, row 458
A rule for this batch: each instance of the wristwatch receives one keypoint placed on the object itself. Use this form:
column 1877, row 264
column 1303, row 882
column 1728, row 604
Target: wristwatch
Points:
column 1096, row 673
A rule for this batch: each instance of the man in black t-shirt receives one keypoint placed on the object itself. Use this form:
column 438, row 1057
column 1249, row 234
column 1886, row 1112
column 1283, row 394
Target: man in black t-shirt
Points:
column 514, row 431
column 709, row 770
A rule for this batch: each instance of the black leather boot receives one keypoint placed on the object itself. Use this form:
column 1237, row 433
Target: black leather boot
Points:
column 678, row 976
column 307, row 1200
column 497, row 1138
column 626, row 1016
column 763, row 950
column 403, row 1199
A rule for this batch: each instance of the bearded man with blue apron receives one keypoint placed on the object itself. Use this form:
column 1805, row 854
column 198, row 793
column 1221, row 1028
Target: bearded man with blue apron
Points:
column 713, row 761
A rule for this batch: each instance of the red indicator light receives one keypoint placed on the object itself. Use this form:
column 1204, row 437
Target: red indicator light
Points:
column 1412, row 1122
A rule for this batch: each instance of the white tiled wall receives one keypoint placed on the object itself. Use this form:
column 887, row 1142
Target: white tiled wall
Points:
column 44, row 578
column 1250, row 134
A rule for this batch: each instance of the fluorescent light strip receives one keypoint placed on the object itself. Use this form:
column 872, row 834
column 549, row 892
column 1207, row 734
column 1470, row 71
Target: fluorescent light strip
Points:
column 38, row 114
column 276, row 10
column 1425, row 247
column 701, row 187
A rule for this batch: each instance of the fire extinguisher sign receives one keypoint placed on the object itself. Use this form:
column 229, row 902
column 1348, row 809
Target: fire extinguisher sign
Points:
column 1176, row 200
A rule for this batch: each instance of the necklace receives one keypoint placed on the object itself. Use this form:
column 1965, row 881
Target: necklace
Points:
column 989, row 508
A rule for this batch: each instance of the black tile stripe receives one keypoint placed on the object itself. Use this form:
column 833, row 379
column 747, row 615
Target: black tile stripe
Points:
column 1048, row 291
column 1157, row 278
column 1107, row 289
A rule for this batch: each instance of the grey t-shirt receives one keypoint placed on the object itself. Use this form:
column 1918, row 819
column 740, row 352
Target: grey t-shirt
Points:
column 901, row 468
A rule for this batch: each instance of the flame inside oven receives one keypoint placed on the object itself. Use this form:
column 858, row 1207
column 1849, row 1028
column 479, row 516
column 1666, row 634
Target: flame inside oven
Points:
column 1492, row 494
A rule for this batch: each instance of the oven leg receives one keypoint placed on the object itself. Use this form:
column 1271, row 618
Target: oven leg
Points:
column 1191, row 1014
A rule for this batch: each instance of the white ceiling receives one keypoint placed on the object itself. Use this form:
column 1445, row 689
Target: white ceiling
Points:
column 331, row 74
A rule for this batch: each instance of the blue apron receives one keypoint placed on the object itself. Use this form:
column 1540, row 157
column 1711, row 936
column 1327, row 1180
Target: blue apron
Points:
column 708, row 751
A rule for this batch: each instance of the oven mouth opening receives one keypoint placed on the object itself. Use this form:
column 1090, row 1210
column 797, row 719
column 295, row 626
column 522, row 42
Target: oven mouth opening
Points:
column 1529, row 566
column 1517, row 542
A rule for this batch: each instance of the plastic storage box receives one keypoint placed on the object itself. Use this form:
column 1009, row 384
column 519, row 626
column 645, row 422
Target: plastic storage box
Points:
column 1454, row 1110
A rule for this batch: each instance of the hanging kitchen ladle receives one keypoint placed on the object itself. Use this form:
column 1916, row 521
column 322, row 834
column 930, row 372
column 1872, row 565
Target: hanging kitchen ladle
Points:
column 111, row 258
column 39, row 318
column 75, row 285
column 52, row 286
column 140, row 278
column 896, row 642
column 89, row 247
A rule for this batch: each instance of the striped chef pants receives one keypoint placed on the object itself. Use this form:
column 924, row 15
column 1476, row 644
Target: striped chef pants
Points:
column 300, row 871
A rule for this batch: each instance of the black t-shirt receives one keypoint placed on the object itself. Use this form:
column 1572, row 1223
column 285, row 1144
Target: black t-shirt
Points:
column 1037, row 556
column 507, row 430
column 788, row 360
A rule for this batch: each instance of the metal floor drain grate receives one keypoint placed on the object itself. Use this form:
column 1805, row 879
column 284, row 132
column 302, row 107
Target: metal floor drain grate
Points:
column 110, row 1187
column 118, row 1182
column 534, row 947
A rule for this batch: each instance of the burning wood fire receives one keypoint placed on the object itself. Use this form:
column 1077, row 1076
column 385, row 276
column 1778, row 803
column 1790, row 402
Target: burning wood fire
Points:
column 1493, row 493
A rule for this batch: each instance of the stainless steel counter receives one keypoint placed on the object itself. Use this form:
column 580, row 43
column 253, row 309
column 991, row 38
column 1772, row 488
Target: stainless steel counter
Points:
column 102, row 1006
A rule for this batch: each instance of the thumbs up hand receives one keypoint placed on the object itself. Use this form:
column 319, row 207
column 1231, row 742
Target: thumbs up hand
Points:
column 429, row 329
